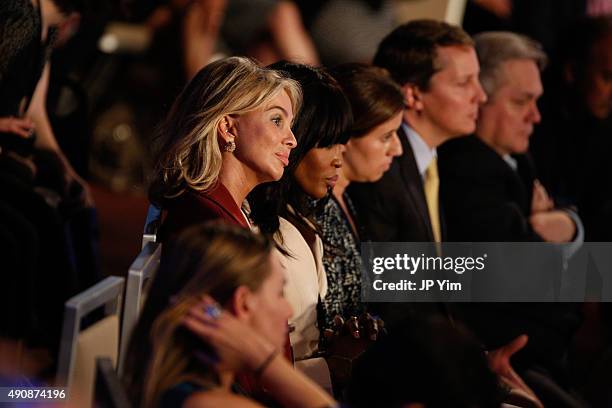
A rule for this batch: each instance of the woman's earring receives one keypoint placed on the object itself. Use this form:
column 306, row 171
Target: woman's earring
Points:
column 230, row 146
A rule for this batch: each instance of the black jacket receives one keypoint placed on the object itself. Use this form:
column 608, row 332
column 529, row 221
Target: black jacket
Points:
column 485, row 199
column 394, row 208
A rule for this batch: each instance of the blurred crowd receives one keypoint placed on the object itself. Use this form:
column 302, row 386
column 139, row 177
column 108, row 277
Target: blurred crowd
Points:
column 274, row 137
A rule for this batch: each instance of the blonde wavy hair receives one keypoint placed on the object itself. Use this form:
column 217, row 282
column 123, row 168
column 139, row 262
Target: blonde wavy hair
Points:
column 211, row 258
column 188, row 155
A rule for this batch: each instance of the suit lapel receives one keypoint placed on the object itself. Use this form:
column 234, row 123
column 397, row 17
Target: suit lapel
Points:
column 221, row 198
column 414, row 184
column 519, row 182
column 526, row 172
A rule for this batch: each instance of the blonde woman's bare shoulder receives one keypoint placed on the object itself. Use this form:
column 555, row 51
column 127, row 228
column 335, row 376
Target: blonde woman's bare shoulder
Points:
column 219, row 398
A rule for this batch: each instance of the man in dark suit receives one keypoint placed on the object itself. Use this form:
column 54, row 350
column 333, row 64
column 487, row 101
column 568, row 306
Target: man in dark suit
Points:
column 488, row 183
column 436, row 65
column 490, row 194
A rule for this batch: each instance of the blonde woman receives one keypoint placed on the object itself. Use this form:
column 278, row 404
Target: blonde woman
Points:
column 228, row 131
column 187, row 351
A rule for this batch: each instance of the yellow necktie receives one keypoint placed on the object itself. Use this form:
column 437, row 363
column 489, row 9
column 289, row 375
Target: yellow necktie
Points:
column 432, row 187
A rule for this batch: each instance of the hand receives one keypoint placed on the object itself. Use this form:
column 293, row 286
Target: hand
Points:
column 76, row 187
column 363, row 327
column 347, row 341
column 501, row 8
column 499, row 362
column 541, row 200
column 23, row 127
column 553, row 226
column 499, row 359
column 237, row 345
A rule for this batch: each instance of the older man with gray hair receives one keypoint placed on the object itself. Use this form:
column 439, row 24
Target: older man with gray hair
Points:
column 488, row 181
column 490, row 194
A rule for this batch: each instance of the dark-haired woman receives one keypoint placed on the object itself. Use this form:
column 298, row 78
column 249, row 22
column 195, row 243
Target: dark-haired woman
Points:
column 284, row 209
column 377, row 104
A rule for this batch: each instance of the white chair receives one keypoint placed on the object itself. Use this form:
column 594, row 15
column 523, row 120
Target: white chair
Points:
column 140, row 274
column 109, row 392
column 79, row 348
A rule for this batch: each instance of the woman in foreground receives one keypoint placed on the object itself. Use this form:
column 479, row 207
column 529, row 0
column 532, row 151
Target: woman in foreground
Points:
column 187, row 349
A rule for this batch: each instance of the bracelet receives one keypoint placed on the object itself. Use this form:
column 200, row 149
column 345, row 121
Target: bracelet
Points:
column 259, row 370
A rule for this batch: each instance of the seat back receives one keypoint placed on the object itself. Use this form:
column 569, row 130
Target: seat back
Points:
column 140, row 274
column 109, row 392
column 79, row 348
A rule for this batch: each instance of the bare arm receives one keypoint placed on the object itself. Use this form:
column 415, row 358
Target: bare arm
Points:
column 45, row 139
column 287, row 385
column 200, row 31
column 292, row 388
column 240, row 348
column 289, row 35
column 37, row 112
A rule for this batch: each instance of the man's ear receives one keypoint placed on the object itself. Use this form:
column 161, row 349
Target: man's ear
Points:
column 412, row 97
column 227, row 128
column 242, row 303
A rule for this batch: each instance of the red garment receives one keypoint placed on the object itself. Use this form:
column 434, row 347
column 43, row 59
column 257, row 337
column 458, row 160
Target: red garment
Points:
column 194, row 207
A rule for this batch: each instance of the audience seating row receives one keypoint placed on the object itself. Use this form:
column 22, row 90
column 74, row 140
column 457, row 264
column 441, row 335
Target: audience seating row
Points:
column 109, row 336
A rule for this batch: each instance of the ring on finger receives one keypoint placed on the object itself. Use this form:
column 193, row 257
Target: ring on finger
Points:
column 212, row 311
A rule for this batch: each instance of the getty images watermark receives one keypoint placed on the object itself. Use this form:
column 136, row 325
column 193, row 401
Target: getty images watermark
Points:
column 412, row 264
column 486, row 272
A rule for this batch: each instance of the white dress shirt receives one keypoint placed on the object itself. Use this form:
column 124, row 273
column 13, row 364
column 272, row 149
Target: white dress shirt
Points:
column 423, row 154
